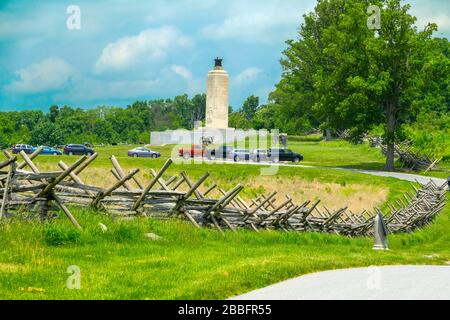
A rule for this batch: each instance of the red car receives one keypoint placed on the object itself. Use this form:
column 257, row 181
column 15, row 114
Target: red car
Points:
column 194, row 151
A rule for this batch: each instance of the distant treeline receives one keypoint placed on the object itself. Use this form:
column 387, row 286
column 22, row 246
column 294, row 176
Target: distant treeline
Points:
column 133, row 124
column 62, row 125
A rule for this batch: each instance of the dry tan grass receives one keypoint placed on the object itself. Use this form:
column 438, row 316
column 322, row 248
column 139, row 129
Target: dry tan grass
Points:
column 95, row 176
column 10, row 268
column 358, row 197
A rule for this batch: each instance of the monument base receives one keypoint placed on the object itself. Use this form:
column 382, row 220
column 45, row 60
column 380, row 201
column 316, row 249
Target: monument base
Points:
column 198, row 136
column 217, row 136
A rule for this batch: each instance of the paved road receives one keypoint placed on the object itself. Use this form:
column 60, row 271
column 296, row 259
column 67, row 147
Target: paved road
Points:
column 398, row 175
column 374, row 283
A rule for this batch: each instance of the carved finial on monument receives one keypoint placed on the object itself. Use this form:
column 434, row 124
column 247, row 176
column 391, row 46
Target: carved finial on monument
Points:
column 218, row 62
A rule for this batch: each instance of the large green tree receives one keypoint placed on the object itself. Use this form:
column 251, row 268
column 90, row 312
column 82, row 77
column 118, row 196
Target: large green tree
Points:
column 47, row 133
column 351, row 77
column 250, row 107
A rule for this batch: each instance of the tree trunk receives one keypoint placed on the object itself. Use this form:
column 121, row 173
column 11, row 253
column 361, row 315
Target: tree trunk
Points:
column 390, row 157
column 390, row 136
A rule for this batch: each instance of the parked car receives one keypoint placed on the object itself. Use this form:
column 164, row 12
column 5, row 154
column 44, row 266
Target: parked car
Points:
column 222, row 152
column 193, row 151
column 142, row 152
column 241, row 154
column 259, row 155
column 276, row 155
column 78, row 149
column 22, row 147
column 48, row 151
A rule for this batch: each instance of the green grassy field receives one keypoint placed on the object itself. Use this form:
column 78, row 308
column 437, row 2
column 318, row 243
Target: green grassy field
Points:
column 202, row 264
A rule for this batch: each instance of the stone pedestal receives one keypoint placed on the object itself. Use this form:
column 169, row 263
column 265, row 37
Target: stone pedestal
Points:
column 217, row 98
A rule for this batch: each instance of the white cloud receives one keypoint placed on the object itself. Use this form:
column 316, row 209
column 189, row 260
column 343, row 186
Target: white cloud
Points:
column 162, row 85
column 258, row 22
column 246, row 76
column 98, row 90
column 436, row 11
column 46, row 75
column 192, row 85
column 149, row 45
column 442, row 20
column 182, row 72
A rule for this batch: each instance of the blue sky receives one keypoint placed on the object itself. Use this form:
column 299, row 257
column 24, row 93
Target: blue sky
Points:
column 128, row 50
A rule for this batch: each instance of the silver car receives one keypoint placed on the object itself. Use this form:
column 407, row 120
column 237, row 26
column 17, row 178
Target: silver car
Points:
column 142, row 152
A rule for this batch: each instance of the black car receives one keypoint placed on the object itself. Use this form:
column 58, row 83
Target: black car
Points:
column 78, row 149
column 22, row 147
column 223, row 152
column 276, row 155
column 241, row 155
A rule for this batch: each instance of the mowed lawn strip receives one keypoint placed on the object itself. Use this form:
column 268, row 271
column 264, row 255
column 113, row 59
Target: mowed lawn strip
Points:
column 317, row 153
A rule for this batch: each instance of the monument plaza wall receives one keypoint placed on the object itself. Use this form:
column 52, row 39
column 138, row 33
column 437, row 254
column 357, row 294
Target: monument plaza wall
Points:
column 220, row 136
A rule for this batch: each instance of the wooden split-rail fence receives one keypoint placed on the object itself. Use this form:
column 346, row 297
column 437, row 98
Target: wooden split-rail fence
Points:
column 408, row 157
column 42, row 193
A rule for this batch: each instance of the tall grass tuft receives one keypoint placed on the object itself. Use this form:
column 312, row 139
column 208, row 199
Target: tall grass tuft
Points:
column 61, row 234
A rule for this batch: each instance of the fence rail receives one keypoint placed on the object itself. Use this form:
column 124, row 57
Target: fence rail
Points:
column 407, row 156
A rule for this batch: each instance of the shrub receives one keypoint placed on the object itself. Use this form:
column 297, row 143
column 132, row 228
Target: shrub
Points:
column 309, row 138
column 123, row 232
column 55, row 235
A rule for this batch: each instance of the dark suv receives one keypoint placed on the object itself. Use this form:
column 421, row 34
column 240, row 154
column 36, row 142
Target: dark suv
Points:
column 277, row 155
column 22, row 147
column 78, row 149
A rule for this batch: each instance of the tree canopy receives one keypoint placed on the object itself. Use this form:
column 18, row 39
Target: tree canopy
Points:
column 343, row 75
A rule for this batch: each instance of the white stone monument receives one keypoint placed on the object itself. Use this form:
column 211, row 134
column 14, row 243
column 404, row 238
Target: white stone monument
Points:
column 216, row 129
column 217, row 97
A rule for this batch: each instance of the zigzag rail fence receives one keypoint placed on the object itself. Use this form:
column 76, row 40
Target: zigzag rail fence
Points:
column 408, row 157
column 46, row 192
